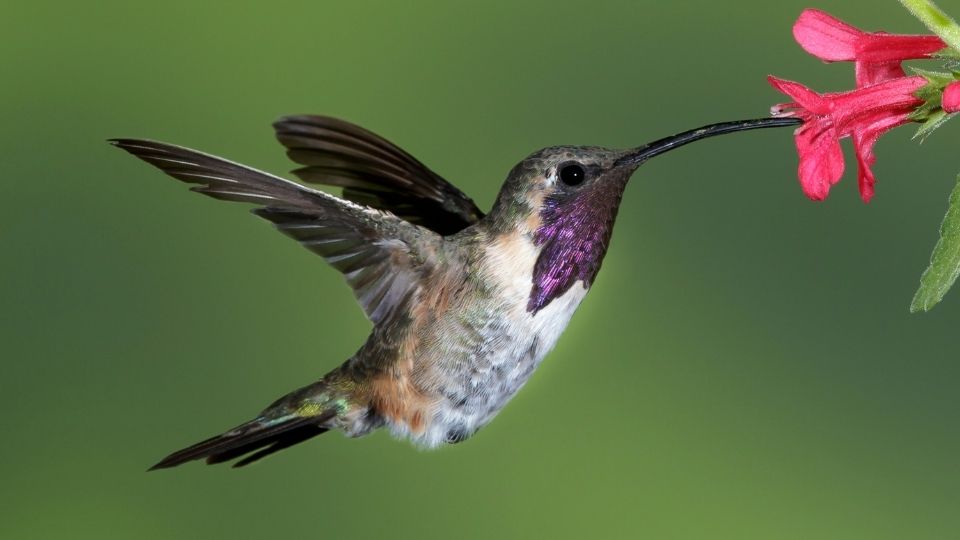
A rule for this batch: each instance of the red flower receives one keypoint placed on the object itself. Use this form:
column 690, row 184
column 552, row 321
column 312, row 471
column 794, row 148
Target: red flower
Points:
column 865, row 114
column 951, row 98
column 877, row 54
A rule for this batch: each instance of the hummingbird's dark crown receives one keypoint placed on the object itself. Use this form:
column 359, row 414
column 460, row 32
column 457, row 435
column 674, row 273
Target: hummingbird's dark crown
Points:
column 537, row 174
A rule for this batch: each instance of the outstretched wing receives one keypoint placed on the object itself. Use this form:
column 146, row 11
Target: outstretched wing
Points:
column 382, row 257
column 374, row 172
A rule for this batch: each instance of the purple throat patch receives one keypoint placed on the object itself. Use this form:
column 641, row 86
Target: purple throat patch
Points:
column 573, row 236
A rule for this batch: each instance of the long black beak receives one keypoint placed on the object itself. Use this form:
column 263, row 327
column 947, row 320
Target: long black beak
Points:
column 647, row 151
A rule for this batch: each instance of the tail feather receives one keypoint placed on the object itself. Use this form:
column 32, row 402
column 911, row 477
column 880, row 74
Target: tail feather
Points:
column 262, row 436
column 286, row 441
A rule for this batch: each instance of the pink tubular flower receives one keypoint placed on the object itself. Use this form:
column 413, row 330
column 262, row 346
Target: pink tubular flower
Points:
column 951, row 98
column 877, row 54
column 865, row 114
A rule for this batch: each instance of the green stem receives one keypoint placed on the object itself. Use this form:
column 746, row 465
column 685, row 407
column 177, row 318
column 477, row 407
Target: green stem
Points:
column 936, row 20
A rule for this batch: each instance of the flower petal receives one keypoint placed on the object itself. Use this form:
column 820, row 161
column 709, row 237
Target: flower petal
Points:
column 821, row 160
column 805, row 97
column 825, row 36
column 849, row 108
column 883, row 47
column 865, row 137
column 869, row 73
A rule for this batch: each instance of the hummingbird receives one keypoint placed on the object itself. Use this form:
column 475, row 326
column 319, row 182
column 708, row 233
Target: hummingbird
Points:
column 464, row 305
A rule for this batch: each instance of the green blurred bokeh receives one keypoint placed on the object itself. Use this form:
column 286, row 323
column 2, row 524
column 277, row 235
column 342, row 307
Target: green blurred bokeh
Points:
column 744, row 368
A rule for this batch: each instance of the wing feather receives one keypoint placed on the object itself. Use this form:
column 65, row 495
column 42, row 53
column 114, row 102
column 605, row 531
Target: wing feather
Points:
column 374, row 172
column 383, row 257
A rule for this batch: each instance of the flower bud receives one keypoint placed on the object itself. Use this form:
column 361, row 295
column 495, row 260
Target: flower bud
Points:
column 951, row 98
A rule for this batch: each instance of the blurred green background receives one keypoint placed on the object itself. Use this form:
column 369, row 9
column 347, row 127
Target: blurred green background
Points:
column 744, row 368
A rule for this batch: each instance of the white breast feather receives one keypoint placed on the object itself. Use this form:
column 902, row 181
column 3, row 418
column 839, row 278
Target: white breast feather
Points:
column 522, row 340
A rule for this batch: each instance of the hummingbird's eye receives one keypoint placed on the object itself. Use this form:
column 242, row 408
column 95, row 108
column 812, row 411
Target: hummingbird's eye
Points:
column 572, row 174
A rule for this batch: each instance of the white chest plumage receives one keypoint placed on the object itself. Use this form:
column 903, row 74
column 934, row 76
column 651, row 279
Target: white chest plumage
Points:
column 492, row 346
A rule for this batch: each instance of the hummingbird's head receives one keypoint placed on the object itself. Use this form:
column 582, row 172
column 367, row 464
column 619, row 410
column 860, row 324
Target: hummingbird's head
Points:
column 564, row 199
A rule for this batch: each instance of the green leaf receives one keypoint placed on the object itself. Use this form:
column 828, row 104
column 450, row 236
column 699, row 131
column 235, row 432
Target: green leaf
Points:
column 925, row 111
column 933, row 121
column 937, row 78
column 930, row 115
column 945, row 262
column 947, row 54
